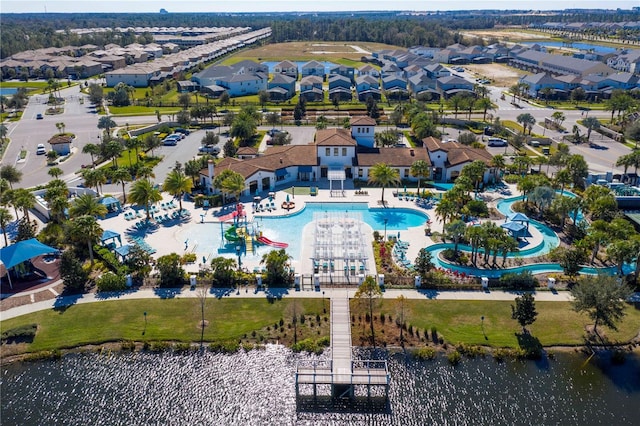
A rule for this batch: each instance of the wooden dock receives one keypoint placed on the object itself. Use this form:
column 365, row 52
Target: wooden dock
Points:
column 343, row 376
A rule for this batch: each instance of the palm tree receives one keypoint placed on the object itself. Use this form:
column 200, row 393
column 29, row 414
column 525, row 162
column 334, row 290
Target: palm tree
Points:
column 446, row 208
column 106, row 123
column 383, row 175
column 11, row 174
column 91, row 149
column 485, row 105
column 87, row 204
column 121, row 175
column 55, row 172
column 455, row 230
column 527, row 121
column 230, row 182
column 591, row 123
column 144, row 193
column 420, row 169
column 546, row 91
column 177, row 184
column 87, row 230
column 498, row 162
column 5, row 219
column 152, row 142
column 94, row 178
column 25, row 200
column 145, row 172
column 3, row 131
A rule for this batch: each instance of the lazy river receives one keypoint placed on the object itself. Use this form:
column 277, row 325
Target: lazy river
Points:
column 549, row 241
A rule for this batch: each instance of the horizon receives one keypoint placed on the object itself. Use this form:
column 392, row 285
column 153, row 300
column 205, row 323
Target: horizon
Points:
column 289, row 6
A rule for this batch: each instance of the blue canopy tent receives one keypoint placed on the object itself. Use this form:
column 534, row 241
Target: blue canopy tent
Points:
column 110, row 235
column 112, row 204
column 515, row 229
column 123, row 251
column 519, row 218
column 21, row 251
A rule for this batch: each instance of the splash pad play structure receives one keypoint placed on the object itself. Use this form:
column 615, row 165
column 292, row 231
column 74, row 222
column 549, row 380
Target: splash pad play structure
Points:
column 242, row 233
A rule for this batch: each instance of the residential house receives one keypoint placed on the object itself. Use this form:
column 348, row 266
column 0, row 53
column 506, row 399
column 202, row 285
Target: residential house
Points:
column 313, row 68
column 368, row 86
column 340, row 88
column 281, row 87
column 395, row 87
column 368, row 70
column 537, row 82
column 427, row 52
column 423, row 86
column 435, row 71
column 311, row 88
column 287, row 68
column 391, row 69
column 627, row 60
column 241, row 79
column 344, row 71
column 450, row 86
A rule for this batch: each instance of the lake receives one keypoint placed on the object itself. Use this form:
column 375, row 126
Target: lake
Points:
column 257, row 388
column 576, row 45
column 8, row 91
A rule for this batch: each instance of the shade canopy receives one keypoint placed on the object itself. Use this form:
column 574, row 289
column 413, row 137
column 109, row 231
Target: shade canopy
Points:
column 516, row 229
column 108, row 234
column 110, row 203
column 518, row 217
column 123, row 251
column 23, row 250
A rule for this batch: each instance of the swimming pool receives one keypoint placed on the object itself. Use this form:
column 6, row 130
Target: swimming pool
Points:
column 207, row 237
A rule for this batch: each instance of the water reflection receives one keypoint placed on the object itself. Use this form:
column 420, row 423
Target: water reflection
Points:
column 257, row 388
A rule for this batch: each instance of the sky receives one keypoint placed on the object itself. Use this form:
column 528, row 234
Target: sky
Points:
column 133, row 6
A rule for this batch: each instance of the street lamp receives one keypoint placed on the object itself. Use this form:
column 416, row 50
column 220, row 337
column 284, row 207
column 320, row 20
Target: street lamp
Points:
column 239, row 260
column 323, row 308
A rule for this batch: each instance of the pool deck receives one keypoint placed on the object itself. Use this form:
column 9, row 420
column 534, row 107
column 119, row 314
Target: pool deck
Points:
column 167, row 238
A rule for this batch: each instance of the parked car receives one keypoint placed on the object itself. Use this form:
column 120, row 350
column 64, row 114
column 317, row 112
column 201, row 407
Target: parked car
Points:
column 274, row 132
column 39, row 117
column 171, row 140
column 41, row 150
column 210, row 149
column 182, row 131
column 496, row 142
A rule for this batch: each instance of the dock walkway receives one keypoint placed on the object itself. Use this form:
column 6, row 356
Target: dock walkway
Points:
column 343, row 374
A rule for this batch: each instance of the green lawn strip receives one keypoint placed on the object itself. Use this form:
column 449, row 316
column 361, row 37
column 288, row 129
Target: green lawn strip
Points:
column 142, row 110
column 167, row 319
column 460, row 321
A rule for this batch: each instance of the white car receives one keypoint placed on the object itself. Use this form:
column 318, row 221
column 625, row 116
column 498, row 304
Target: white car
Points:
column 41, row 150
column 496, row 142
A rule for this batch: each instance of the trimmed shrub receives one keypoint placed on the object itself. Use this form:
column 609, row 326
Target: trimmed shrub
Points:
column 111, row 282
column 23, row 333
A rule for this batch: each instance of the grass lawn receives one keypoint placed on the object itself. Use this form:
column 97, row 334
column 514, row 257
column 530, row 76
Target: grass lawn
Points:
column 142, row 110
column 460, row 321
column 171, row 319
column 306, row 51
